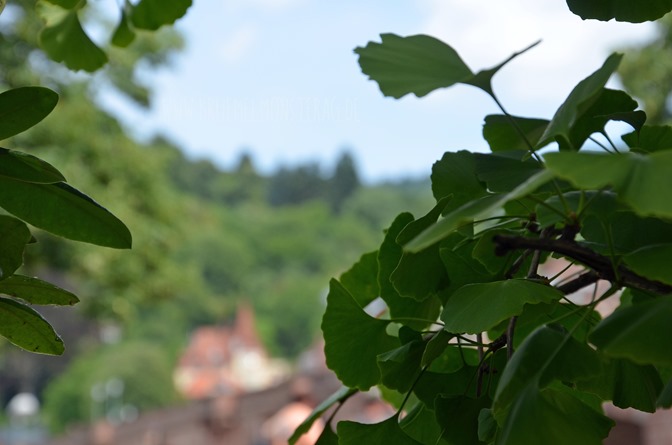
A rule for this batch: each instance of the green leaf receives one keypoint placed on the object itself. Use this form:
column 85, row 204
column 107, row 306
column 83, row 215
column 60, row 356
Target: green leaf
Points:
column 602, row 204
column 389, row 256
column 577, row 103
column 552, row 417
column 420, row 64
column 625, row 232
column 530, row 414
column 650, row 138
column 487, row 426
column 68, row 4
column 431, row 385
column 637, row 179
column 453, row 358
column 420, row 275
column 400, row 367
column 28, row 168
column 505, row 171
column 420, row 424
column 652, row 262
column 416, row 64
column 328, row 437
column 350, row 334
column 64, row 211
column 361, row 279
column 621, row 10
column 665, row 399
column 635, row 119
column 14, row 235
column 475, row 308
column 608, row 104
column 475, row 210
column 627, row 384
column 65, row 41
column 641, row 333
column 580, row 321
column 27, row 329
column 340, row 396
column 386, row 432
column 546, row 355
column 455, row 176
column 504, row 135
column 35, row 291
column 458, row 415
column 463, row 268
column 22, row 108
column 153, row 14
column 435, row 347
column 123, row 34
column 607, row 224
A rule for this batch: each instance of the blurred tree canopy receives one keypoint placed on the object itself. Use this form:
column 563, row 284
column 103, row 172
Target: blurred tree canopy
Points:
column 205, row 238
column 646, row 72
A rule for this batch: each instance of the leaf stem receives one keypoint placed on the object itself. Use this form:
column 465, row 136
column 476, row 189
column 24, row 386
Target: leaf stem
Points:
column 601, row 145
column 410, row 391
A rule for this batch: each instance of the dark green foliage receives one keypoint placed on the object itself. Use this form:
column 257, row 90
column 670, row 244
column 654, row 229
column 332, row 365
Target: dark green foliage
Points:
column 545, row 361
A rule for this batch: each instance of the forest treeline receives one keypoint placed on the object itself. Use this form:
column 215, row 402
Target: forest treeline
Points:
column 204, row 237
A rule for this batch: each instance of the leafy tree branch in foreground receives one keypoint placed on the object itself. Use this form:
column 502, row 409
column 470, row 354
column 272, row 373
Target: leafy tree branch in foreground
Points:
column 475, row 346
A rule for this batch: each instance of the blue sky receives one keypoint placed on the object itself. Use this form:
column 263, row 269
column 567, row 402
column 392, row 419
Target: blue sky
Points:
column 279, row 78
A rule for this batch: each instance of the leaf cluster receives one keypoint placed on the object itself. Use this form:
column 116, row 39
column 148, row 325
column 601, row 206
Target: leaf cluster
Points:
column 34, row 192
column 453, row 311
column 64, row 39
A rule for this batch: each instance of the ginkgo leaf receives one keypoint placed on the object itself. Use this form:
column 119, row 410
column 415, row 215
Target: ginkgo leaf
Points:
column 420, row 64
column 153, row 14
column 621, row 10
column 579, row 100
column 415, row 64
column 357, row 280
column 340, row 396
column 389, row 256
column 550, row 353
column 478, row 307
column 510, row 133
column 552, row 417
column 650, row 138
column 627, row 384
column 652, row 261
column 636, row 178
column 350, row 334
column 474, row 210
column 399, row 367
column 65, row 41
column 458, row 415
column 641, row 332
column 386, row 432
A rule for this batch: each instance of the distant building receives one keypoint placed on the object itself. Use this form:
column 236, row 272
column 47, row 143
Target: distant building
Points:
column 223, row 360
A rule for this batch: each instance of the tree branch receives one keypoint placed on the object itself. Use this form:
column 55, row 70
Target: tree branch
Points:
column 599, row 263
column 583, row 280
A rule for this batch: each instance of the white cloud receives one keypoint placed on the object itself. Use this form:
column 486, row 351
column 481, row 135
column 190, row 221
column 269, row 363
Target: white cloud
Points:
column 238, row 43
column 485, row 32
